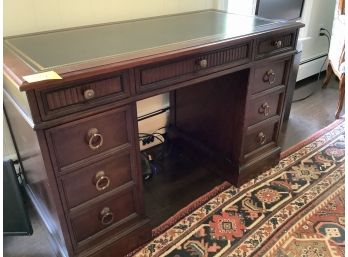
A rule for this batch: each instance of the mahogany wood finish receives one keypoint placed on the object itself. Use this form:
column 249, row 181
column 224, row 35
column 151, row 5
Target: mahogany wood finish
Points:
column 73, row 98
column 262, row 106
column 259, row 136
column 275, row 44
column 213, row 102
column 77, row 137
column 116, row 171
column 268, row 76
column 72, row 142
column 176, row 71
column 107, row 214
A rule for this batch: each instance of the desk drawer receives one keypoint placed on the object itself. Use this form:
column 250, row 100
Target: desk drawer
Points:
column 79, row 96
column 97, row 179
column 268, row 76
column 90, row 136
column 158, row 75
column 260, row 135
column 264, row 107
column 104, row 216
column 275, row 44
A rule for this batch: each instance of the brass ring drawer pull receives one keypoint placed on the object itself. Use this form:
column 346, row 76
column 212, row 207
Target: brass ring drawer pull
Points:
column 95, row 139
column 261, row 138
column 269, row 77
column 203, row 63
column 265, row 109
column 88, row 94
column 277, row 43
column 102, row 181
column 106, row 216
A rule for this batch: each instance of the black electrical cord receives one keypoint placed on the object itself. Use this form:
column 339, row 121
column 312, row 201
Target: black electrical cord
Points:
column 160, row 129
column 304, row 98
column 329, row 40
column 322, row 66
column 326, row 31
column 145, row 135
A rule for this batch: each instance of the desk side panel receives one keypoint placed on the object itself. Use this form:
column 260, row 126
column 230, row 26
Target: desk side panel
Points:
column 40, row 182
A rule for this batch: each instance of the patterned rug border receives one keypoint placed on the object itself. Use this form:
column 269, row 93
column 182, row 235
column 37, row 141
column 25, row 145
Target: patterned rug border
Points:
column 313, row 137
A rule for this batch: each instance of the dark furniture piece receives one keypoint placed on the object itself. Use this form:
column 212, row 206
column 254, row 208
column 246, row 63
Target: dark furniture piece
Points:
column 16, row 218
column 284, row 10
column 77, row 137
column 276, row 9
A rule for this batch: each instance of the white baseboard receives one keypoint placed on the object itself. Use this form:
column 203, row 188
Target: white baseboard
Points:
column 12, row 157
column 310, row 68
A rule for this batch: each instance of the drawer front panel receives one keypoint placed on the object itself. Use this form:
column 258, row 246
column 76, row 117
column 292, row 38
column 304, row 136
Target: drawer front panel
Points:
column 259, row 137
column 268, row 76
column 81, row 139
column 263, row 108
column 168, row 73
column 97, row 179
column 57, row 102
column 275, row 44
column 108, row 214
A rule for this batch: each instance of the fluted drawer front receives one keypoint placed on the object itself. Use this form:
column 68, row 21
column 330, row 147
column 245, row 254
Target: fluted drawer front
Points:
column 97, row 179
column 78, row 140
column 275, row 43
column 167, row 73
column 104, row 216
column 83, row 95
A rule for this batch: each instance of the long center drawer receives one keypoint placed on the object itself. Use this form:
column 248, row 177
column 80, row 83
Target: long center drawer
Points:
column 159, row 75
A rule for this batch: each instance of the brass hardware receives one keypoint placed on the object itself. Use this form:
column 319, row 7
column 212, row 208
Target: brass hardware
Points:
column 269, row 77
column 88, row 94
column 106, row 216
column 203, row 63
column 265, row 109
column 261, row 138
column 94, row 139
column 278, row 43
column 102, row 181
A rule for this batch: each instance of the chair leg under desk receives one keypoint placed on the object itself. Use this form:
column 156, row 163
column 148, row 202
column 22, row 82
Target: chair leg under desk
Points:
column 329, row 73
column 341, row 91
column 341, row 87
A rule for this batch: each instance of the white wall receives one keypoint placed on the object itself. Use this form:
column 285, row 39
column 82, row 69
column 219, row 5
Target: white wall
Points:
column 29, row 16
column 9, row 151
column 40, row 15
column 316, row 14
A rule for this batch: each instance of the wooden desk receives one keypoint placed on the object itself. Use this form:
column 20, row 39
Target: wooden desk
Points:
column 77, row 137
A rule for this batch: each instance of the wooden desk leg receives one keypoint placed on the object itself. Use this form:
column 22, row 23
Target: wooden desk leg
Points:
column 329, row 72
column 341, row 95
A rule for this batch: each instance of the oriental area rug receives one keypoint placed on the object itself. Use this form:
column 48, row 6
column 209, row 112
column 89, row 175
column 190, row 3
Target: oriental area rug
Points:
column 295, row 209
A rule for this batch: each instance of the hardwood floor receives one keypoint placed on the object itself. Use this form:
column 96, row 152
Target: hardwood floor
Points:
column 312, row 114
column 306, row 117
